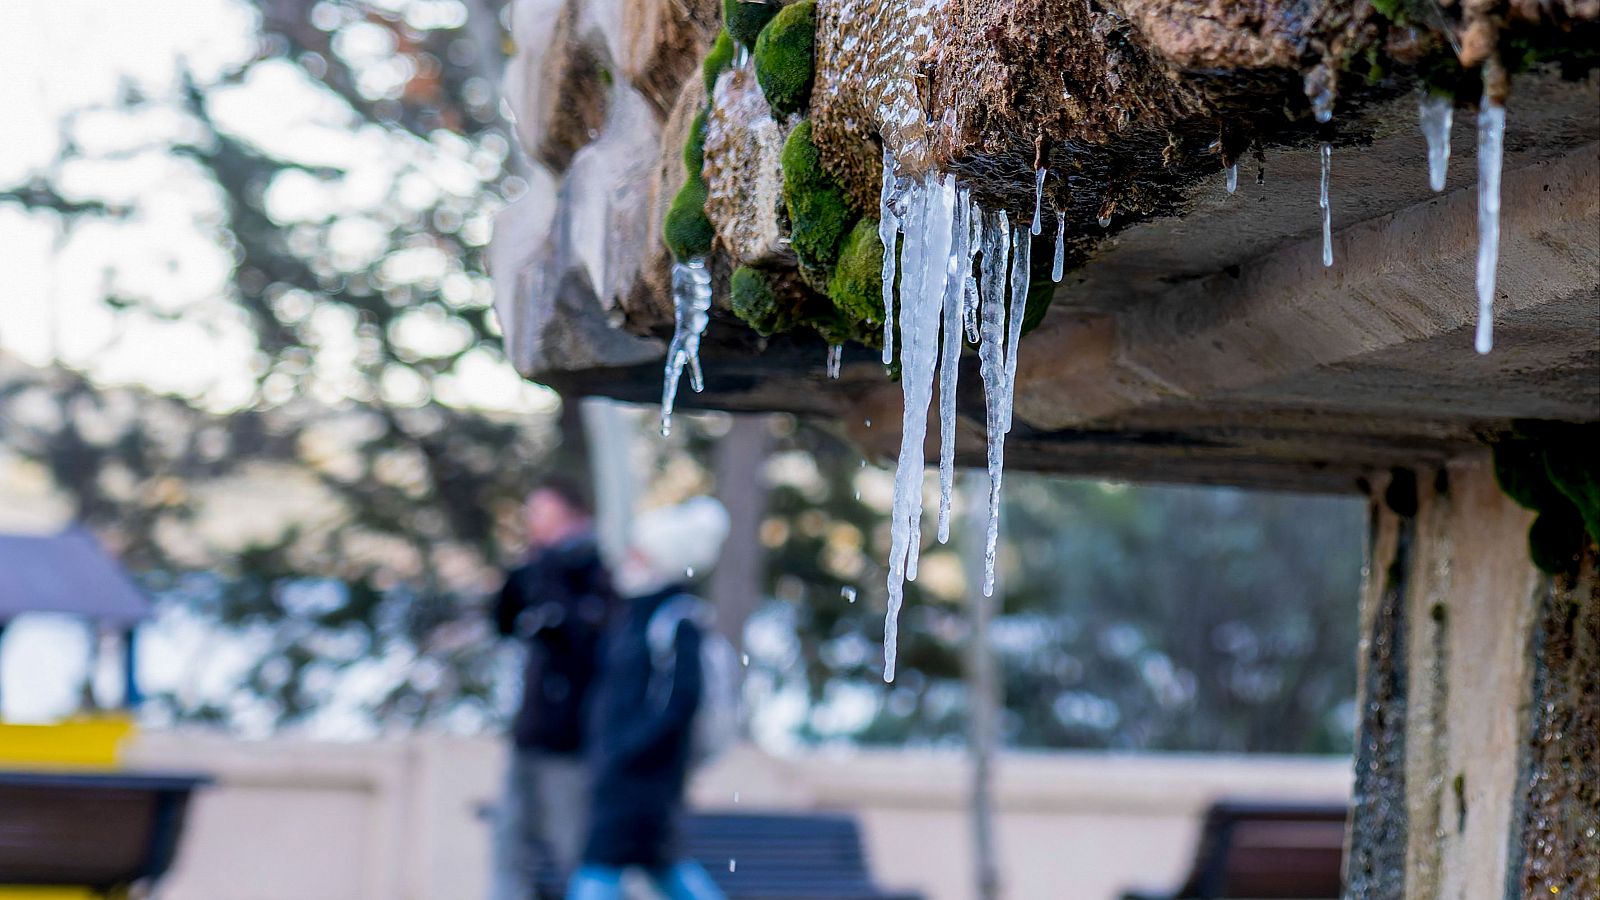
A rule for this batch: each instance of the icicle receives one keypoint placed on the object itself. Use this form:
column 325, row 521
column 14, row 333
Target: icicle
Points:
column 1038, row 199
column 1435, row 113
column 691, row 302
column 1020, row 273
column 1059, row 267
column 930, row 210
column 969, row 281
column 848, row 593
column 950, row 356
column 835, row 359
column 992, row 365
column 888, row 230
column 1233, row 177
column 1491, row 147
column 1322, row 201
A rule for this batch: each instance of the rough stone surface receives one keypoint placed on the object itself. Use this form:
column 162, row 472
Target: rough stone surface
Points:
column 572, row 86
column 664, row 41
column 744, row 172
column 866, row 68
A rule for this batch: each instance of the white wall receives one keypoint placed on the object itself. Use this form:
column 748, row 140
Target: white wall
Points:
column 399, row 820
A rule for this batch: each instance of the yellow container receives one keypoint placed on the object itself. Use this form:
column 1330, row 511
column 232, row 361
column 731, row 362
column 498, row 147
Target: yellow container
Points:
column 76, row 743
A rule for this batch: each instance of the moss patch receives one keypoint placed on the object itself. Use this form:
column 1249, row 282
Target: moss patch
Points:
column 819, row 217
column 757, row 304
column 694, row 147
column 686, row 230
column 785, row 57
column 1552, row 468
column 720, row 58
column 744, row 20
column 856, row 287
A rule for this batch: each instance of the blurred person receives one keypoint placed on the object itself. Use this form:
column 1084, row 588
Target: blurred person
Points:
column 660, row 695
column 556, row 603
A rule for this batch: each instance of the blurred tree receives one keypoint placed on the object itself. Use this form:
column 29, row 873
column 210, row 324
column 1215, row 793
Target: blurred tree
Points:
column 360, row 275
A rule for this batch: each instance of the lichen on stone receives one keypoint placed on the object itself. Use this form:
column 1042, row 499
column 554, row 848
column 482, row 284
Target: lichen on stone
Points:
column 785, row 57
column 744, row 19
column 819, row 215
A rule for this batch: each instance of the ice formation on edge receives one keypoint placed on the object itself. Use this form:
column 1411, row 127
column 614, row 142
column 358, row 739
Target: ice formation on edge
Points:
column 691, row 303
column 1434, row 114
column 1491, row 147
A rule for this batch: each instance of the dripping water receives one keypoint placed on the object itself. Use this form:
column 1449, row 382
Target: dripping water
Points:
column 1322, row 201
column 1435, row 114
column 1491, row 147
column 691, row 303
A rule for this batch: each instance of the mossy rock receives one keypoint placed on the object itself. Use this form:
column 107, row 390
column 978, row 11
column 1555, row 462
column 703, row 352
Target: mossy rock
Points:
column 686, row 230
column 856, row 287
column 757, row 304
column 1556, row 539
column 785, row 57
column 720, row 58
column 744, row 20
column 694, row 147
column 1572, row 468
column 819, row 216
column 1519, row 468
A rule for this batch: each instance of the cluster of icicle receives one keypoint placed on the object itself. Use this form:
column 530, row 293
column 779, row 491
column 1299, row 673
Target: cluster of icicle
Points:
column 691, row 304
column 964, row 274
column 1435, row 114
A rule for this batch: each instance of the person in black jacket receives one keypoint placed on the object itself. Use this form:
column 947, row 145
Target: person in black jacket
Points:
column 556, row 603
column 650, row 686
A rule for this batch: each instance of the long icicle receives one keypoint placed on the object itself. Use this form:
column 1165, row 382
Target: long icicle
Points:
column 888, row 231
column 1021, row 260
column 928, row 231
column 969, row 282
column 1059, row 267
column 1491, row 148
column 1038, row 199
column 992, row 366
column 1327, row 211
column 956, row 276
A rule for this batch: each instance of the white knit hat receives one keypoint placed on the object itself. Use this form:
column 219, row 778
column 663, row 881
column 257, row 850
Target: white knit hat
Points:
column 673, row 540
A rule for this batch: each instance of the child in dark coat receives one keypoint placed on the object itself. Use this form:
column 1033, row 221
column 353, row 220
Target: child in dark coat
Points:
column 641, row 737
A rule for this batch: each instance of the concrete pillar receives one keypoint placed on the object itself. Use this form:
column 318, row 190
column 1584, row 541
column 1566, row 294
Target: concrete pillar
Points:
column 1478, row 754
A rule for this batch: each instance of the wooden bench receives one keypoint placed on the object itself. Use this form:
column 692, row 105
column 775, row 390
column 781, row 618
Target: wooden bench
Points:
column 777, row 856
column 1265, row 851
column 105, row 832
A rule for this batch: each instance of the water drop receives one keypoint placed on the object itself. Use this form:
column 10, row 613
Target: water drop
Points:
column 848, row 593
column 1104, row 220
column 733, row 864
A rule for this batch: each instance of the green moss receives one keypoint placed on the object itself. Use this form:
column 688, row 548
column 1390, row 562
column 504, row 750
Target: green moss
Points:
column 819, row 216
column 1520, row 470
column 1574, row 471
column 856, row 287
column 694, row 148
column 756, row 303
column 1556, row 540
column 744, row 20
column 785, row 57
column 686, row 230
column 1552, row 468
column 720, row 57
